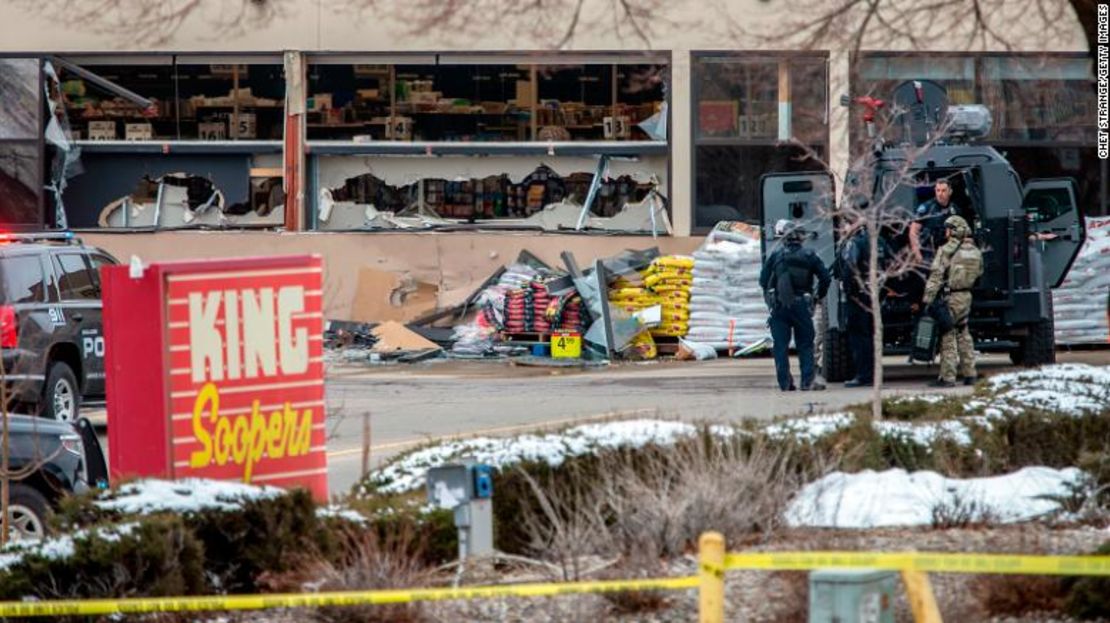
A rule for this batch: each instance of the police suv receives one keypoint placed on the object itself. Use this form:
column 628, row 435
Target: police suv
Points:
column 51, row 333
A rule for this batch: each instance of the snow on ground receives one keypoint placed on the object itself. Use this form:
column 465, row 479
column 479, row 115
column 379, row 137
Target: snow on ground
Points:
column 338, row 511
column 59, row 547
column 183, row 496
column 1071, row 388
column 809, row 428
column 407, row 473
column 926, row 433
column 870, row 499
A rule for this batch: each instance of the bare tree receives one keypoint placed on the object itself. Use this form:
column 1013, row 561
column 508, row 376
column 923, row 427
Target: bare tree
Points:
column 156, row 22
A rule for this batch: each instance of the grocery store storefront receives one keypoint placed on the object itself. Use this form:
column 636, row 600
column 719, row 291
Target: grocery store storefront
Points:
column 442, row 162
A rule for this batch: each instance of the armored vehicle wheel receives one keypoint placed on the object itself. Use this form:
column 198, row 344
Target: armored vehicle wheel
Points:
column 1039, row 347
column 837, row 362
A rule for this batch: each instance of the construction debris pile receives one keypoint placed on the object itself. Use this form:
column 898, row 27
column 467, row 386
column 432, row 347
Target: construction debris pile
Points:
column 635, row 305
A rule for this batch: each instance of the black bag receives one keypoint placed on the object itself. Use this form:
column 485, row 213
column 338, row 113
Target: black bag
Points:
column 941, row 315
column 925, row 337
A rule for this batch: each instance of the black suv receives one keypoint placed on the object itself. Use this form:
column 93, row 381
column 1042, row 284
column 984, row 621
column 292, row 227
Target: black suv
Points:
column 51, row 331
column 58, row 458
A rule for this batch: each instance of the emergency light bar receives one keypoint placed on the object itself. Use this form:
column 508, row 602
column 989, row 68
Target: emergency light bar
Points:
column 48, row 236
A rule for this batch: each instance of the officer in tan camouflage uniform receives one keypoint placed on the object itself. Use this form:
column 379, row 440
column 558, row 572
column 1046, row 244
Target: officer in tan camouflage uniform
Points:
column 956, row 267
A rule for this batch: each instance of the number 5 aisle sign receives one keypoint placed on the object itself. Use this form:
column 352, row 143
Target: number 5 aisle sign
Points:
column 215, row 370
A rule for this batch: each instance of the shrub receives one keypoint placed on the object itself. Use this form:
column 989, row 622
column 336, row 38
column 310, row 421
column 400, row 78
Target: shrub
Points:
column 1016, row 595
column 157, row 557
column 1089, row 597
column 365, row 558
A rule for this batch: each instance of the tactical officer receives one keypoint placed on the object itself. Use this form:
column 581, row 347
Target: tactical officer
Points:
column 927, row 229
column 787, row 282
column 853, row 268
column 956, row 267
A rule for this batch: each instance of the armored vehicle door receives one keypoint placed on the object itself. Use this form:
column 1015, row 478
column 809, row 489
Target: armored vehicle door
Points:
column 807, row 199
column 1053, row 213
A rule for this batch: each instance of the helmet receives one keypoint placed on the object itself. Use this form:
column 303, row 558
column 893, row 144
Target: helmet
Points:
column 957, row 225
column 785, row 228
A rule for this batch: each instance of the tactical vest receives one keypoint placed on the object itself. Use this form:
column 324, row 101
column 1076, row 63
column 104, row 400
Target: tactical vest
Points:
column 965, row 266
column 793, row 269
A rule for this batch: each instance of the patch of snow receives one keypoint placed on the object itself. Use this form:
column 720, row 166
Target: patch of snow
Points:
column 1070, row 388
column 184, row 496
column 338, row 511
column 407, row 473
column 810, row 428
column 62, row 546
column 926, row 433
column 895, row 497
column 930, row 399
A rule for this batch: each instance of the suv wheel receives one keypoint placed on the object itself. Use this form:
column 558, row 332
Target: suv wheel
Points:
column 28, row 512
column 62, row 399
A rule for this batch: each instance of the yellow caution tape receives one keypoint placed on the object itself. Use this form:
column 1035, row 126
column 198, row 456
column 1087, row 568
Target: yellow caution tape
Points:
column 915, row 561
column 927, row 562
column 344, row 598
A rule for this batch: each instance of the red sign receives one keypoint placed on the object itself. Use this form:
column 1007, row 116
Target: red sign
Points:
column 239, row 389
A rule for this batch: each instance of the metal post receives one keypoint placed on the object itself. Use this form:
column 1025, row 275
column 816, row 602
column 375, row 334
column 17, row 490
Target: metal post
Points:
column 920, row 593
column 711, row 575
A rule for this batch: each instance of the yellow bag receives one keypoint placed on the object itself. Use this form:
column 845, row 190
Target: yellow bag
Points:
column 626, row 293
column 673, row 261
column 643, row 347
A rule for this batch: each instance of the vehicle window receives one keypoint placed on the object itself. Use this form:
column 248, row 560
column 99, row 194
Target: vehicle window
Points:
column 97, row 261
column 23, row 282
column 75, row 281
column 1045, row 204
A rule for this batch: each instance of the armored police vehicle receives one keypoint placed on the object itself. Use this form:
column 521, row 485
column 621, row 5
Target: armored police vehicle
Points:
column 1029, row 232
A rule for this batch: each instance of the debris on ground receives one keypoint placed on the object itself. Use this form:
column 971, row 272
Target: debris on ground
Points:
column 394, row 337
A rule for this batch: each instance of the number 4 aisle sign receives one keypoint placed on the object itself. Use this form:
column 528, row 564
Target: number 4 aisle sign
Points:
column 215, row 370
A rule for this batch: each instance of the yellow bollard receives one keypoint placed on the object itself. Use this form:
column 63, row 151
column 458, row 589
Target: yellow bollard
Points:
column 711, row 572
column 920, row 593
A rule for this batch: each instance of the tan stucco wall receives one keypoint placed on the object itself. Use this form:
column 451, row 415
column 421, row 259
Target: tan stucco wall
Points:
column 457, row 262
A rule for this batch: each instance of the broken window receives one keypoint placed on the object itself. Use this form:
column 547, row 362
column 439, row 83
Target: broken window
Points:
column 542, row 199
column 20, row 142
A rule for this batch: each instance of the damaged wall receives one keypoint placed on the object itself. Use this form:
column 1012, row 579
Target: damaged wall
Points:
column 456, row 263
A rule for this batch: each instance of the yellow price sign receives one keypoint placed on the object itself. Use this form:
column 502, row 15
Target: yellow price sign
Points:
column 566, row 345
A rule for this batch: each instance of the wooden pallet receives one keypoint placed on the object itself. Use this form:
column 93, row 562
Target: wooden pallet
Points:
column 526, row 337
column 666, row 345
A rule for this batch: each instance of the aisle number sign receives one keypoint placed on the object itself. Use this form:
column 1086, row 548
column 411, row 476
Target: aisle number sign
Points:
column 566, row 345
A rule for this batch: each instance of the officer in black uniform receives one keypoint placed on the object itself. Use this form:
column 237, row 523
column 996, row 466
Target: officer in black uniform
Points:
column 927, row 230
column 853, row 268
column 787, row 281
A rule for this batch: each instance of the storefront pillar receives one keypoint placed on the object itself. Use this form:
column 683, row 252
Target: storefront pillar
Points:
column 294, row 140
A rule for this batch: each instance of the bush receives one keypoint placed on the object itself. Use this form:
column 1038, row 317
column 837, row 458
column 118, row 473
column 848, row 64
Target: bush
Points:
column 159, row 556
column 1089, row 597
column 650, row 502
column 1017, row 595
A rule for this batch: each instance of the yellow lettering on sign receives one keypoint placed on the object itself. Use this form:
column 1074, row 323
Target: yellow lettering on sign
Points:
column 246, row 439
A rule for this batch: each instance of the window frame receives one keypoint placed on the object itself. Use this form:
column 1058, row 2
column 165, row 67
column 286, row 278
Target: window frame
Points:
column 696, row 59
